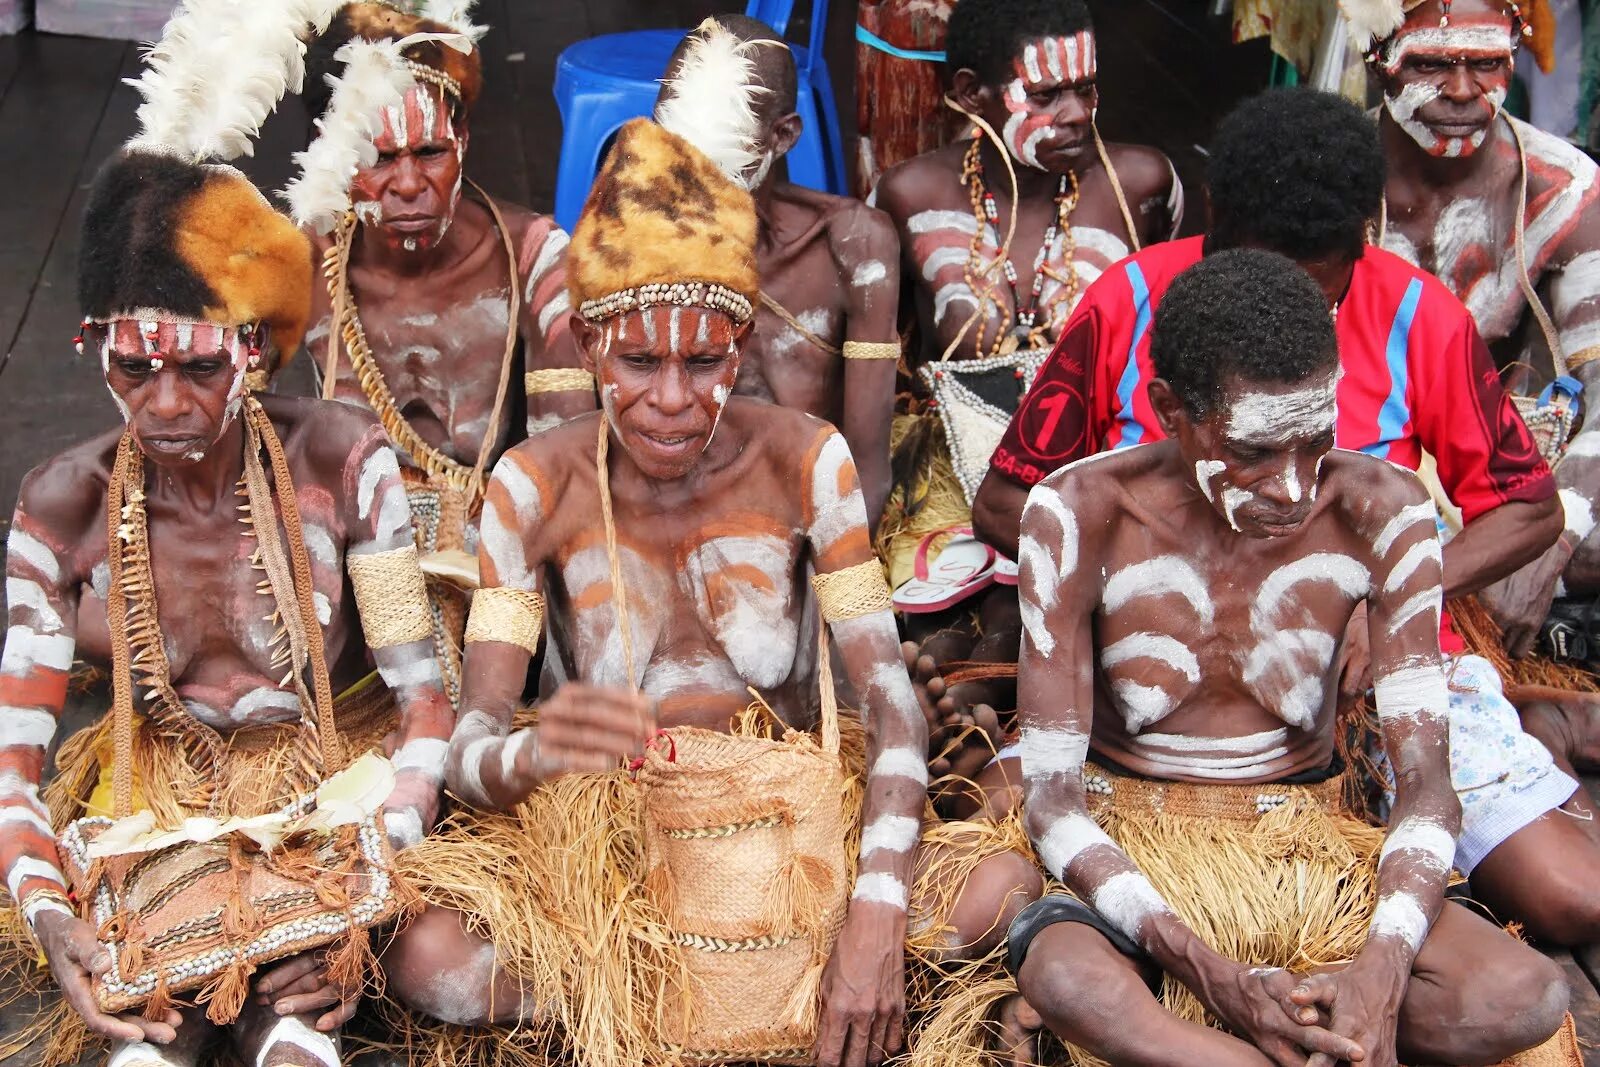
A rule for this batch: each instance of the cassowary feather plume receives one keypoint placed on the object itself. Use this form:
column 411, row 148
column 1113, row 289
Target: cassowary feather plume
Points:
column 710, row 100
column 218, row 71
column 1373, row 21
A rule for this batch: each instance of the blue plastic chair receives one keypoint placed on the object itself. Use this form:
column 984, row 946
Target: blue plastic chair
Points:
column 604, row 81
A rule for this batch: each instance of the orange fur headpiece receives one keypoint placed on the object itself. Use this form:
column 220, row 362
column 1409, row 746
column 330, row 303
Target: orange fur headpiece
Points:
column 166, row 238
column 663, row 225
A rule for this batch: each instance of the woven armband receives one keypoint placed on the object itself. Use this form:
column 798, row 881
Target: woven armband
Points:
column 852, row 592
column 391, row 596
column 1588, row 355
column 558, row 380
column 515, row 616
column 872, row 350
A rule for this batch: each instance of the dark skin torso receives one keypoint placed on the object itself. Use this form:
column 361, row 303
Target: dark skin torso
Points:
column 811, row 246
column 933, row 182
column 206, row 593
column 438, row 333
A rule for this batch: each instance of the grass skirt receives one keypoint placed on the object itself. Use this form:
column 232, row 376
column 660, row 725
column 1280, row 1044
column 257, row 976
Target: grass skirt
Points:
column 925, row 497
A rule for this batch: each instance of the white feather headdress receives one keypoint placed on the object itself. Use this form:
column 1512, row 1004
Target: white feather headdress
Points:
column 456, row 14
column 1374, row 21
column 375, row 78
column 710, row 101
column 218, row 71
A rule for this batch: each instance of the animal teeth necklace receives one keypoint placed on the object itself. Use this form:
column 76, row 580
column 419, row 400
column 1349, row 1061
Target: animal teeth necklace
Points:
column 1028, row 327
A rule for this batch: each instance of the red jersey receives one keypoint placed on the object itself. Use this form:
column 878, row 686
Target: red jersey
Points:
column 1416, row 376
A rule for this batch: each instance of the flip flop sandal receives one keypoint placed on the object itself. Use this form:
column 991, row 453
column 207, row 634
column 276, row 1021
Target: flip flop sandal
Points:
column 1005, row 571
column 964, row 567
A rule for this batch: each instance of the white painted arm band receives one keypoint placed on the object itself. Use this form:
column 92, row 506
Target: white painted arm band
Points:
column 880, row 889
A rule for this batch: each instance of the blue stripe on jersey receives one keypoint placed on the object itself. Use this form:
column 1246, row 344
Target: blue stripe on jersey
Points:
column 1132, row 432
column 1395, row 413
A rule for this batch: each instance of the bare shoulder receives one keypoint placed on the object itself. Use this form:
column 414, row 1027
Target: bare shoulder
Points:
column 921, row 182
column 1372, row 494
column 326, row 432
column 552, row 455
column 1143, row 171
column 65, row 496
column 1094, row 487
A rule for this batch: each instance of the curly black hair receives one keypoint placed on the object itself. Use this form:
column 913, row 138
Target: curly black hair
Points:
column 987, row 35
column 1297, row 171
column 1243, row 313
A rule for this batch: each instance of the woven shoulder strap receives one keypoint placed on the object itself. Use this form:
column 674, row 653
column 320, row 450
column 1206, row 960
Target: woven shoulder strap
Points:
column 829, row 701
column 1116, row 188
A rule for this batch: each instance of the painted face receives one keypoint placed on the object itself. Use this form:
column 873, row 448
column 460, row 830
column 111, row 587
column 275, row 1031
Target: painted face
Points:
column 1444, row 85
column 1258, row 457
column 408, row 198
column 1047, row 106
column 665, row 375
column 177, row 384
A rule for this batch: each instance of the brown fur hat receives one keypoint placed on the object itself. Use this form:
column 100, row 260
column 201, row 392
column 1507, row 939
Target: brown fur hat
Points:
column 166, row 237
column 380, row 22
column 662, row 212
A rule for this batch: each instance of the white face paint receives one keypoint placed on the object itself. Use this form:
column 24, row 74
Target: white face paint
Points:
column 1275, row 418
column 1205, row 472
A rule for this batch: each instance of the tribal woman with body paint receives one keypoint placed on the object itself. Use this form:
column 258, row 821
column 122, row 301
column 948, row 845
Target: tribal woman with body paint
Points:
column 1184, row 603
column 187, row 279
column 825, row 339
column 434, row 289
column 722, row 506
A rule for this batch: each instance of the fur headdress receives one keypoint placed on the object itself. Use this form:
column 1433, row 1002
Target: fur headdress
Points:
column 171, row 231
column 663, row 225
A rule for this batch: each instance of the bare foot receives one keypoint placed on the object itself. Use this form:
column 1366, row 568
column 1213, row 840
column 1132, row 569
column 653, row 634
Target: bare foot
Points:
column 1020, row 1030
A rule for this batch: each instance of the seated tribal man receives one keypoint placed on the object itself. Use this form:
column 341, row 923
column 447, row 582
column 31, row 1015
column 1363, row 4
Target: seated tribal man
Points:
column 427, row 292
column 824, row 339
column 1000, row 233
column 1183, row 605
column 685, row 599
column 1501, row 211
column 238, row 653
column 1300, row 172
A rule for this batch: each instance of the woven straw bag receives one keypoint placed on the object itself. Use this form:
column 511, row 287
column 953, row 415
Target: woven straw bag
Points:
column 745, row 856
column 203, row 913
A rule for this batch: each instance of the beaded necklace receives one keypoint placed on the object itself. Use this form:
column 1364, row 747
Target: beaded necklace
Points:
column 1030, row 326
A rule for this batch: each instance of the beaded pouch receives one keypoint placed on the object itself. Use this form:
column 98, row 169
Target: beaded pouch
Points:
column 205, row 914
column 975, row 399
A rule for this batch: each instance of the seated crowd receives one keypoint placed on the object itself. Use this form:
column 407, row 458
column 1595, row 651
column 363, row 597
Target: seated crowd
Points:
column 971, row 625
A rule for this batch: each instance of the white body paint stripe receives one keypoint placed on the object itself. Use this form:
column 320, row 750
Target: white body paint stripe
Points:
column 1400, row 916
column 1068, row 838
column 26, row 726
column 425, row 754
column 1425, row 836
column 1125, row 900
column 1160, row 576
column 1340, row 570
column 1428, row 601
column 901, row 763
column 1412, row 692
column 1418, row 554
column 26, row 648
column 1579, row 513
column 1159, row 647
column 1049, row 751
column 27, row 867
column 1407, row 517
column 36, row 553
column 890, row 833
column 880, row 889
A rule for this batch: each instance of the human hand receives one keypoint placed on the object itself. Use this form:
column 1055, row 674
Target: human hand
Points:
column 1255, row 1003
column 1520, row 602
column 863, row 989
column 582, row 729
column 76, row 958
column 300, row 984
column 1362, row 1004
column 1355, row 657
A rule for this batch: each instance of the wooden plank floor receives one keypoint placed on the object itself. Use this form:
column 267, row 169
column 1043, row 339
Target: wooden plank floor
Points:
column 1168, row 74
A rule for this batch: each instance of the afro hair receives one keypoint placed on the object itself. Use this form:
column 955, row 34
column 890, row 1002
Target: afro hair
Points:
column 1298, row 171
column 986, row 36
column 1244, row 314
